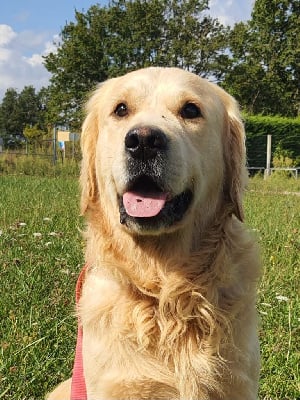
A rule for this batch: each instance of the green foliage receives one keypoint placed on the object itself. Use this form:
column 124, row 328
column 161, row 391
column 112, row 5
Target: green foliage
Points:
column 32, row 132
column 126, row 35
column 258, row 61
column 41, row 252
column 11, row 123
column 19, row 112
column 285, row 132
column 265, row 71
column 282, row 158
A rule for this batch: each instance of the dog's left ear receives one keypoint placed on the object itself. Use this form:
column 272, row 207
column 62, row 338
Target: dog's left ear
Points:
column 236, row 175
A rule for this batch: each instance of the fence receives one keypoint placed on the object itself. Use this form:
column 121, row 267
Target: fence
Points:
column 259, row 159
column 48, row 149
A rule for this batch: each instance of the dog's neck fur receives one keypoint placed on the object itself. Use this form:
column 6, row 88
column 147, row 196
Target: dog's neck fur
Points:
column 182, row 281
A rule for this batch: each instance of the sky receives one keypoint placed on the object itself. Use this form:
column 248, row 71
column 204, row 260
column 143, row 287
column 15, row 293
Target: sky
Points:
column 28, row 29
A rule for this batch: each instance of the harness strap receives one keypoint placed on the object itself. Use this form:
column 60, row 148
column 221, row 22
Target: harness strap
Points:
column 78, row 387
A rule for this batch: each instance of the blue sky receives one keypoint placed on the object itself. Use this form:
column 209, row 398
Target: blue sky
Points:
column 29, row 27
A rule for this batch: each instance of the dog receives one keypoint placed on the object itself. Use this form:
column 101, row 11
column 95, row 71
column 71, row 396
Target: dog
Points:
column 167, row 307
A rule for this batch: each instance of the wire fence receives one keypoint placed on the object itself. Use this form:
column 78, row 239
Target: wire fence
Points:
column 56, row 152
column 47, row 149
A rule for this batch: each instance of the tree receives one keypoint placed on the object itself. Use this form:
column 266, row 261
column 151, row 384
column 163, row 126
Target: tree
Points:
column 80, row 62
column 20, row 110
column 28, row 107
column 265, row 72
column 126, row 35
column 10, row 121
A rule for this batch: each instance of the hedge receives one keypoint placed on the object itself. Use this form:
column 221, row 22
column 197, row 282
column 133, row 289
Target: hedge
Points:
column 284, row 131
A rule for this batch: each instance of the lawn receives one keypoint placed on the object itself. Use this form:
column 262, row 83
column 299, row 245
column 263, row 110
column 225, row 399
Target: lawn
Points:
column 41, row 255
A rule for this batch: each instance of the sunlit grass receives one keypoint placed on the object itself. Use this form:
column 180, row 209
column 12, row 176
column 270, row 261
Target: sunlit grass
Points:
column 41, row 255
column 273, row 210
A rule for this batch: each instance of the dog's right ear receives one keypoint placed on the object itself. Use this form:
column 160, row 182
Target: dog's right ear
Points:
column 89, row 136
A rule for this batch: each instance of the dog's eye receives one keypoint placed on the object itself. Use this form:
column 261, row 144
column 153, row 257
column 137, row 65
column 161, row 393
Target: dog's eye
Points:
column 121, row 110
column 190, row 111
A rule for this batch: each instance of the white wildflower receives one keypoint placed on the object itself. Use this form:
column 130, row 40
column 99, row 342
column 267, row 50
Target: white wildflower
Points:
column 37, row 235
column 65, row 271
column 281, row 298
column 266, row 304
column 262, row 312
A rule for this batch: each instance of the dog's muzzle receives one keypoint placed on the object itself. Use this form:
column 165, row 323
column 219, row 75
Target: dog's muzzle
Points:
column 148, row 204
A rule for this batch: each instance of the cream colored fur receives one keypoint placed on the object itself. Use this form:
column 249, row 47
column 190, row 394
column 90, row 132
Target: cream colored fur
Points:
column 168, row 314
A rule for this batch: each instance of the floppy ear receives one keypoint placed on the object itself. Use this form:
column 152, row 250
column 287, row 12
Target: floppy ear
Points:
column 235, row 177
column 89, row 135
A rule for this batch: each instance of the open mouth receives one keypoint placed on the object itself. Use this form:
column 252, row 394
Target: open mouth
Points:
column 147, row 204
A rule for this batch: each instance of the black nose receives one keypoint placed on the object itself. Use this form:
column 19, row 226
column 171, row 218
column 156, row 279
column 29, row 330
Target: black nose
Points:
column 145, row 143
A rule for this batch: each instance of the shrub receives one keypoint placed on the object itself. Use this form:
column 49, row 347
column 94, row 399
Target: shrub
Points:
column 285, row 133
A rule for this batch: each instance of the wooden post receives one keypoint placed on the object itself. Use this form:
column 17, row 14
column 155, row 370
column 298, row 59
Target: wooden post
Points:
column 54, row 145
column 268, row 165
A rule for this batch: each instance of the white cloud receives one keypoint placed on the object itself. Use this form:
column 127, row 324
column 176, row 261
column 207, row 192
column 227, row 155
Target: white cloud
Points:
column 21, row 61
column 231, row 11
column 35, row 60
column 4, row 55
column 50, row 47
column 6, row 34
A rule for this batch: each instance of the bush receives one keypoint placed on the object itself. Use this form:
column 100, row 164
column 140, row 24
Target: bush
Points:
column 285, row 133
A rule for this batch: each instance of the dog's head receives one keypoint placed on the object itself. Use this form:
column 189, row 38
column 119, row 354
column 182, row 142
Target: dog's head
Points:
column 162, row 148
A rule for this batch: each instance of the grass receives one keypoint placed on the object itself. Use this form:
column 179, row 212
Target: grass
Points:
column 275, row 218
column 41, row 255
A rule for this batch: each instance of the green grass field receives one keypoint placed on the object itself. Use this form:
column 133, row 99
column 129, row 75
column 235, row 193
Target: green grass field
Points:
column 41, row 255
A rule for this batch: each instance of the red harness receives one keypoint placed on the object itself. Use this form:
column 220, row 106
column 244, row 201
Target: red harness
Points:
column 78, row 387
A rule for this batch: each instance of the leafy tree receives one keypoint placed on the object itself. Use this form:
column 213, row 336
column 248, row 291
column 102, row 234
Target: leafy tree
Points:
column 20, row 110
column 265, row 72
column 126, row 35
column 28, row 107
column 80, row 62
column 10, row 121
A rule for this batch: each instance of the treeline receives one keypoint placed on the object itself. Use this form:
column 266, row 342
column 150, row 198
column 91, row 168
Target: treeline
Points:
column 257, row 61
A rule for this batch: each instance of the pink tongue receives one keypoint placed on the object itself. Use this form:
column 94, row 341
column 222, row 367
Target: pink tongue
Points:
column 143, row 205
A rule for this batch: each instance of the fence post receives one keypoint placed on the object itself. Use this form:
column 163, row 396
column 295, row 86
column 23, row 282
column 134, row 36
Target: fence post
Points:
column 54, row 145
column 268, row 165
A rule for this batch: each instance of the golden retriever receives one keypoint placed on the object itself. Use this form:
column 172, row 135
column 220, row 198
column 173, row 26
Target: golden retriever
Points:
column 168, row 302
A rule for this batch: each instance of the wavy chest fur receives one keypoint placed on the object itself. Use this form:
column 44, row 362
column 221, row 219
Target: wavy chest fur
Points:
column 166, row 328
